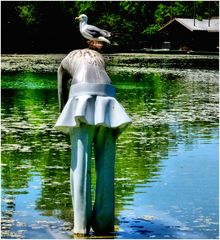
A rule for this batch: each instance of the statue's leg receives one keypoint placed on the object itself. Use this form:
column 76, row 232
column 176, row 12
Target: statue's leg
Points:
column 103, row 211
column 80, row 177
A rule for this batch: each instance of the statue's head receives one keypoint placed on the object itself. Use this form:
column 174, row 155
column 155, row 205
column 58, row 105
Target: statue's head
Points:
column 95, row 45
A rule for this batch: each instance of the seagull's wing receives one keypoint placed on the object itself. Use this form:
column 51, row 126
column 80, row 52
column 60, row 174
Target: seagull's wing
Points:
column 93, row 32
column 105, row 33
column 96, row 32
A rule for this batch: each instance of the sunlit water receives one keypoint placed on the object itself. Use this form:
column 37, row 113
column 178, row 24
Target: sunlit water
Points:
column 166, row 176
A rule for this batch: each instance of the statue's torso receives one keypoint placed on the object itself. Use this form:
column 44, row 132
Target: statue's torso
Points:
column 86, row 66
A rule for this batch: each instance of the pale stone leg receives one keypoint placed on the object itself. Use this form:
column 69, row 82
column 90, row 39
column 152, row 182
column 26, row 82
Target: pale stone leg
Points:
column 103, row 211
column 80, row 177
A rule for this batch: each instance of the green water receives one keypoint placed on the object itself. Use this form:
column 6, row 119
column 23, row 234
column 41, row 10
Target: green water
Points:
column 166, row 175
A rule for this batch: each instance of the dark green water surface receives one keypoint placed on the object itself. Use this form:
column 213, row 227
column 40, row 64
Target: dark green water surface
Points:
column 166, row 176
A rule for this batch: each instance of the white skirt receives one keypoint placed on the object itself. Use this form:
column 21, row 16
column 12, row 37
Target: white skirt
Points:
column 92, row 104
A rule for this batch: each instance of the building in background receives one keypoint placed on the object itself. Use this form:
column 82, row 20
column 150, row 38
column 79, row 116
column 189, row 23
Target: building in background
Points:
column 190, row 34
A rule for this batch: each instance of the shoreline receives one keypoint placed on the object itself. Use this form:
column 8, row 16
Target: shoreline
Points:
column 48, row 63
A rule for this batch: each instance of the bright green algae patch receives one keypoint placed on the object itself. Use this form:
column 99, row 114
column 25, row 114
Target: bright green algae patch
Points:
column 28, row 80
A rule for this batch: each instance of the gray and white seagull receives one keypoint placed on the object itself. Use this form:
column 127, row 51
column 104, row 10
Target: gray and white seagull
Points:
column 92, row 32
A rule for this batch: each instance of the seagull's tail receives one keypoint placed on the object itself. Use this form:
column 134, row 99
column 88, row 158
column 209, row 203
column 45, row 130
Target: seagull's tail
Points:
column 103, row 40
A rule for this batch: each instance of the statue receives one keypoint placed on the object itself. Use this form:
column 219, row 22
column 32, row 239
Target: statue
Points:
column 91, row 116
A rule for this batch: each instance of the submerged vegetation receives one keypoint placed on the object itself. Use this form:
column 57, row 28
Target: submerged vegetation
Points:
column 48, row 63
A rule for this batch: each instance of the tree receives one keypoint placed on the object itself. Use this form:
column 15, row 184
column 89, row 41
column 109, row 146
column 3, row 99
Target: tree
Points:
column 166, row 11
column 38, row 26
column 28, row 12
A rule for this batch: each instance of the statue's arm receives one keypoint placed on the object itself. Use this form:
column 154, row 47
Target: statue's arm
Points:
column 62, row 80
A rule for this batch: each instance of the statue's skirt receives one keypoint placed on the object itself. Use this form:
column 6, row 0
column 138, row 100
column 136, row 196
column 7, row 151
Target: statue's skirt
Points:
column 92, row 104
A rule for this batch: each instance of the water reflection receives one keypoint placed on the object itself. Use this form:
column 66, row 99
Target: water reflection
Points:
column 168, row 110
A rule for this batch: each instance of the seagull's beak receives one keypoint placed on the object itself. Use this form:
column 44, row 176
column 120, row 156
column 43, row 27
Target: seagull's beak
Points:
column 77, row 18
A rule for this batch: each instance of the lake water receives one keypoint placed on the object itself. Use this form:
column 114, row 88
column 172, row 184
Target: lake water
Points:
column 166, row 176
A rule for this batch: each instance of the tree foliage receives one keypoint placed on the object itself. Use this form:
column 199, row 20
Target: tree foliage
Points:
column 50, row 26
column 28, row 13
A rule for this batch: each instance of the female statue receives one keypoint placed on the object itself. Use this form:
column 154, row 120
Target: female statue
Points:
column 92, row 116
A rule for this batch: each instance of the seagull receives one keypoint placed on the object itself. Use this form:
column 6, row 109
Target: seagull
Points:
column 92, row 32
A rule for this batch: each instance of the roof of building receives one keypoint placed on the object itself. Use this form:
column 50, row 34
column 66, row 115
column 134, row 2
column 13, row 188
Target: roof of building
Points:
column 211, row 25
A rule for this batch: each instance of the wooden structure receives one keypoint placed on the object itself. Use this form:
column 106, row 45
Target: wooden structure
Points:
column 191, row 34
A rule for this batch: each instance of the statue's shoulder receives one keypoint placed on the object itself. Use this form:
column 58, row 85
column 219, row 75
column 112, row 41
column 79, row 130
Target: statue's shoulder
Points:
column 88, row 55
column 72, row 56
column 92, row 56
column 74, row 53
